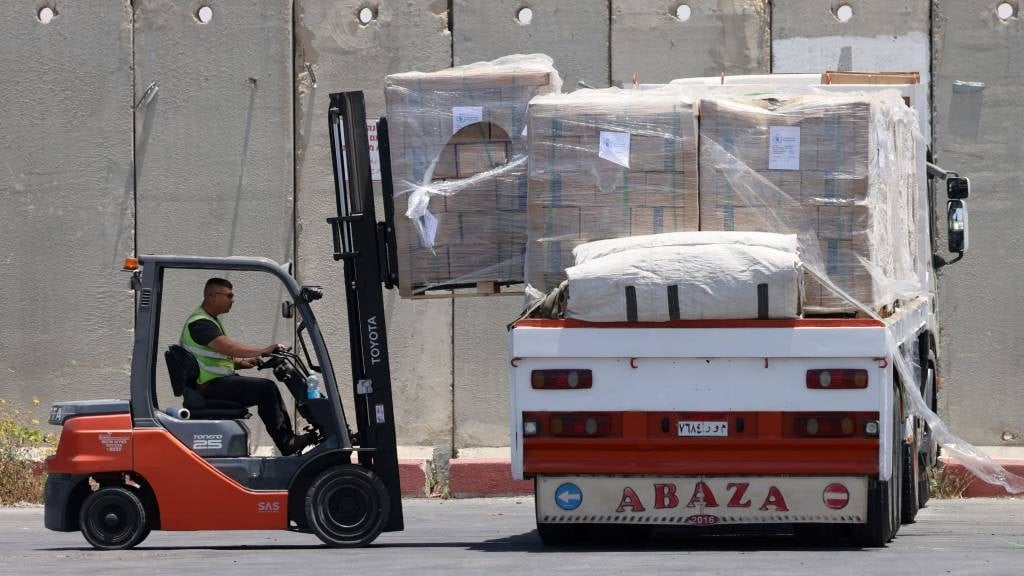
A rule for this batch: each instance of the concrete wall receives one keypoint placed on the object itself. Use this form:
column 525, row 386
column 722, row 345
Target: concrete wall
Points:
column 346, row 55
column 67, row 202
column 214, row 155
column 978, row 131
column 230, row 157
column 808, row 36
column 573, row 32
column 651, row 41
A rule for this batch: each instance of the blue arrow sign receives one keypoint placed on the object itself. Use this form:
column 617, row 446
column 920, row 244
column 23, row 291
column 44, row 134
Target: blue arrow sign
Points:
column 568, row 496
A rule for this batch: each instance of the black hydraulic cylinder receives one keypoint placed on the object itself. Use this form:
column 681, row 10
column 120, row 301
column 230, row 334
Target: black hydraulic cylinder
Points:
column 358, row 243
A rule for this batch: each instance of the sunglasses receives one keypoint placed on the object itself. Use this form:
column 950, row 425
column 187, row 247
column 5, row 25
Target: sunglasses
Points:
column 230, row 295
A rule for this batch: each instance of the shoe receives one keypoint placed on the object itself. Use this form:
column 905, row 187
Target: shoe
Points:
column 296, row 443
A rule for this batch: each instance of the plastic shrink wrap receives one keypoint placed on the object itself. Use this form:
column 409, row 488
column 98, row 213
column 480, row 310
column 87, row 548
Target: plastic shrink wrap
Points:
column 606, row 164
column 842, row 172
column 458, row 156
column 838, row 170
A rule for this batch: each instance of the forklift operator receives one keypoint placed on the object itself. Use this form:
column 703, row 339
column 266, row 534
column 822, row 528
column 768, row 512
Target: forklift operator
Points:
column 218, row 356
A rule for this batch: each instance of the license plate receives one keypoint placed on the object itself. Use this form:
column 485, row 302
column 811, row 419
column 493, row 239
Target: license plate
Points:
column 702, row 428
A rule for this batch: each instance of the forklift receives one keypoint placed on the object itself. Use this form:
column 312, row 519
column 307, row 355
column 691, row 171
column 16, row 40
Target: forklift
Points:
column 126, row 467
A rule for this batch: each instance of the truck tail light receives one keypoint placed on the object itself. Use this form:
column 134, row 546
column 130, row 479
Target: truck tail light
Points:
column 561, row 379
column 548, row 425
column 580, row 425
column 825, row 426
column 837, row 379
column 828, row 424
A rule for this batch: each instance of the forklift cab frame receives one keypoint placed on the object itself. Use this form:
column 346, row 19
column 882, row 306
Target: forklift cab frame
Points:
column 149, row 280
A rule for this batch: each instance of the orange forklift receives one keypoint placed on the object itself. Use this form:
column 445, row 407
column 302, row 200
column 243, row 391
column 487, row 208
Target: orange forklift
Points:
column 126, row 467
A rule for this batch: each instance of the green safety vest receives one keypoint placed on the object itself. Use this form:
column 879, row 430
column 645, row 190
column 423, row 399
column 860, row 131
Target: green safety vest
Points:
column 212, row 364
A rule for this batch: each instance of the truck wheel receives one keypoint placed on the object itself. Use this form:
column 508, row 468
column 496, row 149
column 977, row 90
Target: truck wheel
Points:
column 558, row 534
column 928, row 452
column 911, row 483
column 884, row 506
column 113, row 518
column 924, row 483
column 347, row 506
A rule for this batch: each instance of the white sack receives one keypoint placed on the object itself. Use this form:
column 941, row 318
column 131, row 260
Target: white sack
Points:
column 601, row 248
column 716, row 280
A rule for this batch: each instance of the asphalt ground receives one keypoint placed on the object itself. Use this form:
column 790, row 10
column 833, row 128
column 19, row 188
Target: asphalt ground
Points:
column 497, row 535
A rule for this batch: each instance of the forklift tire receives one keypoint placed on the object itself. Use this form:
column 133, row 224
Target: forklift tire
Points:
column 113, row 518
column 347, row 506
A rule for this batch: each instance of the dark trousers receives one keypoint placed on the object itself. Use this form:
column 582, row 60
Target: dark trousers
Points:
column 260, row 392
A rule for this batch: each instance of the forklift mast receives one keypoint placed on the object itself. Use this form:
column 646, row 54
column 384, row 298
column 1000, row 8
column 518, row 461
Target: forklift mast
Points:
column 366, row 247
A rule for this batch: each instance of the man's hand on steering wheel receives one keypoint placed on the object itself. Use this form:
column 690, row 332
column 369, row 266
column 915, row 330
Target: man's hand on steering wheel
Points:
column 269, row 357
column 274, row 348
column 247, row 362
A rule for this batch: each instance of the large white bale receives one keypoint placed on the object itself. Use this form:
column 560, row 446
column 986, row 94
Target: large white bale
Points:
column 686, row 276
column 601, row 248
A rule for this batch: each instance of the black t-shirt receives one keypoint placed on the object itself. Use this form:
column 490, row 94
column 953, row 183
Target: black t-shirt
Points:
column 204, row 331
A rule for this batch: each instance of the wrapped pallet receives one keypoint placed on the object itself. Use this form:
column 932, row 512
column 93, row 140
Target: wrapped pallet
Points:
column 458, row 161
column 606, row 164
column 839, row 170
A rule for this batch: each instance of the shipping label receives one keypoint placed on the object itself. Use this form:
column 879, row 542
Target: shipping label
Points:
column 783, row 147
column 614, row 147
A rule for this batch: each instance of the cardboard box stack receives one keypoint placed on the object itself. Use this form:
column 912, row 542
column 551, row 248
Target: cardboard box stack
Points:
column 606, row 164
column 458, row 146
column 837, row 169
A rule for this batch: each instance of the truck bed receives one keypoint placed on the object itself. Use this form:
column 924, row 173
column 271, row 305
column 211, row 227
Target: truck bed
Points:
column 754, row 371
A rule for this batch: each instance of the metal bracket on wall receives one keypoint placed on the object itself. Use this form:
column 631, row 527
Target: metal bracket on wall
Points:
column 147, row 96
column 309, row 70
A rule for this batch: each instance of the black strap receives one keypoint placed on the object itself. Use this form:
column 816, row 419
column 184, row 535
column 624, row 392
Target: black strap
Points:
column 673, row 302
column 631, row 304
column 762, row 301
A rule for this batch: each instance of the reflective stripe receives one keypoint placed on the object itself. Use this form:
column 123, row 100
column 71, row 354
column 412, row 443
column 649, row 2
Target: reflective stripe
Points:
column 218, row 370
column 203, row 352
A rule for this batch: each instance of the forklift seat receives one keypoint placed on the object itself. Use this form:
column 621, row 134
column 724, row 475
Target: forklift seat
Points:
column 184, row 372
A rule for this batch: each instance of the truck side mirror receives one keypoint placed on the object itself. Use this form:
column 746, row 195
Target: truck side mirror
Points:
column 956, row 214
column 958, row 187
column 287, row 309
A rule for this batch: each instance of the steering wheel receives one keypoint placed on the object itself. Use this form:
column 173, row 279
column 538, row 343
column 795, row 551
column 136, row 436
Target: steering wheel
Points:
column 273, row 359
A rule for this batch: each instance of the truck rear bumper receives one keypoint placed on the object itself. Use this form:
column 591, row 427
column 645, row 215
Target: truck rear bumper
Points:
column 701, row 500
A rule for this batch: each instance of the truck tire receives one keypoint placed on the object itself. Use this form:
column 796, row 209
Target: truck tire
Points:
column 911, row 482
column 928, row 452
column 884, row 506
column 113, row 518
column 347, row 506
